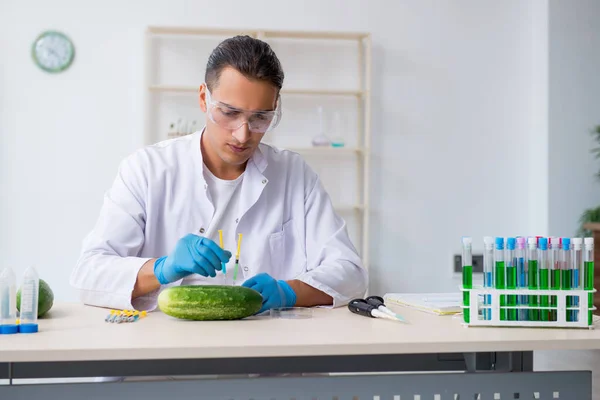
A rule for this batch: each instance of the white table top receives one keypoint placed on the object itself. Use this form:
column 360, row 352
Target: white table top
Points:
column 77, row 332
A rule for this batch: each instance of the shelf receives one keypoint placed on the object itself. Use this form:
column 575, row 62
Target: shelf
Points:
column 265, row 34
column 330, row 151
column 309, row 92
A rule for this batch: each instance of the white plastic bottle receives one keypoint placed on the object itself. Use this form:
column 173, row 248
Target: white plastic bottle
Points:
column 29, row 301
column 8, row 302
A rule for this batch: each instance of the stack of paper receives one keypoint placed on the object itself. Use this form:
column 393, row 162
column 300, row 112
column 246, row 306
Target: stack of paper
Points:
column 434, row 303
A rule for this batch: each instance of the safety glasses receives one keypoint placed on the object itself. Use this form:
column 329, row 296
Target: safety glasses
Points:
column 232, row 118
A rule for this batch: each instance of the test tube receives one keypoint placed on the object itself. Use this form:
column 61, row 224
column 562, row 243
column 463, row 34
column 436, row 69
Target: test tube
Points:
column 588, row 273
column 522, row 273
column 500, row 274
column 577, row 262
column 29, row 301
column 532, row 277
column 8, row 302
column 511, row 277
column 567, row 272
column 488, row 274
column 544, row 279
column 467, row 276
column 554, row 261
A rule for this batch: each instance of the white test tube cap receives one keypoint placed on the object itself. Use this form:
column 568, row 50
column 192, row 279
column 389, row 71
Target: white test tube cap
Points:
column 488, row 240
column 576, row 242
column 532, row 241
column 589, row 241
column 467, row 241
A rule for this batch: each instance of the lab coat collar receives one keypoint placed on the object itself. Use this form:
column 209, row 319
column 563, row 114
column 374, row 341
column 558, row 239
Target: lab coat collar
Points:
column 258, row 158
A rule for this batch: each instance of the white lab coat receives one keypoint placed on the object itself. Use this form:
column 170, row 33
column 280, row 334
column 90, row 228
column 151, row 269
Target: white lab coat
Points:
column 290, row 229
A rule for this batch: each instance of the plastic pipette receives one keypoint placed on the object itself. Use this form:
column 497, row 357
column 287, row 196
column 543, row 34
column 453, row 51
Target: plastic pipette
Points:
column 377, row 301
column 532, row 277
column 577, row 257
column 488, row 273
column 223, row 265
column 544, row 278
column 500, row 275
column 8, row 302
column 588, row 273
column 29, row 301
column 361, row 307
column 467, row 276
column 522, row 276
column 567, row 272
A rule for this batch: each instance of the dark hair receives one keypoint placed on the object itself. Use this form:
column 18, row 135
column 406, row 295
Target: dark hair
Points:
column 252, row 57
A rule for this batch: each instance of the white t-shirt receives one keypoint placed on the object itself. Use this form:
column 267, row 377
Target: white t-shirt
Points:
column 224, row 195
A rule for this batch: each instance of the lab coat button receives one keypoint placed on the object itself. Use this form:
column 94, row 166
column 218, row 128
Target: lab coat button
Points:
column 237, row 220
column 202, row 230
column 264, row 181
column 245, row 268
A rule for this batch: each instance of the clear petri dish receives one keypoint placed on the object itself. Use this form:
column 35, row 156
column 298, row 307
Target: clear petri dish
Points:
column 291, row 312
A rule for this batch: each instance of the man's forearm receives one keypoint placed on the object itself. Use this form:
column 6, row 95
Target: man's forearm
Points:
column 146, row 280
column 308, row 296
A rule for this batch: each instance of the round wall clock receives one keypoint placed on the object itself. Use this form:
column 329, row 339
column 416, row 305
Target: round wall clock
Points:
column 53, row 51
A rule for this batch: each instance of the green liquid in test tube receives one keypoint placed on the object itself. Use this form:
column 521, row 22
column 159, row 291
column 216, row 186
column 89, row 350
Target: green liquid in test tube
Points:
column 500, row 274
column 588, row 272
column 467, row 276
column 544, row 277
column 511, row 277
column 567, row 273
column 554, row 262
column 532, row 277
column 577, row 262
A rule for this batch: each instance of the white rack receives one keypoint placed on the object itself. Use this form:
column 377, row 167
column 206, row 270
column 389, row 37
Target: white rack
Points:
column 176, row 52
column 488, row 299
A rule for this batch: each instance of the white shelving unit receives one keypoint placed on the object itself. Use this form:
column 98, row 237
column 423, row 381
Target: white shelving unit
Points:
column 328, row 69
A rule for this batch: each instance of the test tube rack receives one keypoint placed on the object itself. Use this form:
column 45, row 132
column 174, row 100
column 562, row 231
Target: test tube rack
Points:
column 582, row 314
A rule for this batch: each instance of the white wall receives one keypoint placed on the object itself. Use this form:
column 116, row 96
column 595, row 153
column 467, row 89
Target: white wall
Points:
column 574, row 110
column 453, row 100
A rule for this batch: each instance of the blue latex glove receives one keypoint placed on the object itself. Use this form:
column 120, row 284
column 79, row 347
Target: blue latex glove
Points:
column 275, row 293
column 193, row 254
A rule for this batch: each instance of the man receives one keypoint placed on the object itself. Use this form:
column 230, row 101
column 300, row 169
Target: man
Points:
column 160, row 221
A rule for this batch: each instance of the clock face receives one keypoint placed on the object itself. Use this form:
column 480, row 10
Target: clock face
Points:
column 53, row 51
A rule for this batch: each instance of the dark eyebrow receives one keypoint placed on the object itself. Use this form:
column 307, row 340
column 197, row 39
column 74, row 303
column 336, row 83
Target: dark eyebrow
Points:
column 240, row 110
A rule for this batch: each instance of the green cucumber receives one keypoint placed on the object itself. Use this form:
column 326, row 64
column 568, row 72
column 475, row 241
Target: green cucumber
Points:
column 209, row 302
column 45, row 298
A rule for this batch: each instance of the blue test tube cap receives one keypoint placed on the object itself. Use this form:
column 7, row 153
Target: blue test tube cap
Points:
column 500, row 243
column 566, row 243
column 543, row 243
column 510, row 243
column 28, row 328
column 8, row 329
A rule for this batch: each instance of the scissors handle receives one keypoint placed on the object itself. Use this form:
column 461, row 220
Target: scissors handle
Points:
column 375, row 301
column 361, row 307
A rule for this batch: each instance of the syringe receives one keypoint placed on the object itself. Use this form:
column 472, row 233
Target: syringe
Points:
column 8, row 302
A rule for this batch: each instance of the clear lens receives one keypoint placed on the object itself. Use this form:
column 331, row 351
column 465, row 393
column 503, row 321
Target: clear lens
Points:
column 231, row 118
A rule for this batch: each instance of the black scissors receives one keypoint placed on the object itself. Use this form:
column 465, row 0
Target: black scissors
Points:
column 374, row 307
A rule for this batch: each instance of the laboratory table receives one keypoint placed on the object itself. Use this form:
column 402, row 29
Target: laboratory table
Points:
column 334, row 354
